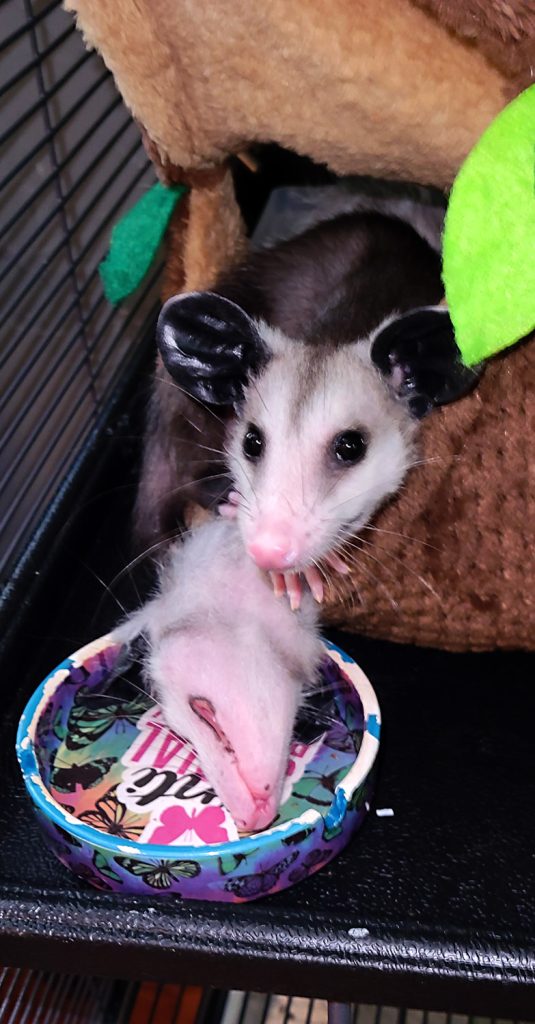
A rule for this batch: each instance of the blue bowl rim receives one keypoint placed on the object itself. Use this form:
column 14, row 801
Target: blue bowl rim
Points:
column 94, row 837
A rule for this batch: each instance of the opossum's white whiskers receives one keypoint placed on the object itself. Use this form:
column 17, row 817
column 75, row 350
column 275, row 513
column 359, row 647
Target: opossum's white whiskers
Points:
column 362, row 551
column 335, row 587
column 183, row 391
column 323, row 494
column 140, row 689
column 243, row 504
column 107, row 590
column 108, row 695
column 404, row 536
column 187, row 419
column 356, row 563
column 289, row 504
column 206, row 461
column 148, row 551
column 213, row 476
column 249, row 481
column 191, row 442
column 312, row 711
column 353, row 497
column 321, row 570
column 408, row 568
column 217, row 451
column 425, row 462
column 259, row 395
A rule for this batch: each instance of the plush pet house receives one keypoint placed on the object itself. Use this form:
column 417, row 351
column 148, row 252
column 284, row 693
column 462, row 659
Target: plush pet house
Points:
column 398, row 90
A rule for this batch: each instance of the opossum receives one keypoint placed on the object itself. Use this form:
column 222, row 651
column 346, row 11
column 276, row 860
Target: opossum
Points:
column 317, row 356
column 229, row 665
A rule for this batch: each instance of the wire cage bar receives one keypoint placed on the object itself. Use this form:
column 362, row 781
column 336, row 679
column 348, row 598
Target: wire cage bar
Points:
column 72, row 163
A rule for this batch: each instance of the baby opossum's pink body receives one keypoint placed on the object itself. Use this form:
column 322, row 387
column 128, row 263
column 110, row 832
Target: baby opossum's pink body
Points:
column 228, row 663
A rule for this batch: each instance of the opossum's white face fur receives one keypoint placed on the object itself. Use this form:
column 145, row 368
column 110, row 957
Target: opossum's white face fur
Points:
column 319, row 443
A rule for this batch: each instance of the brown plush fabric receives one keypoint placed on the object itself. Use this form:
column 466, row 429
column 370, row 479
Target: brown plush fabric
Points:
column 367, row 87
column 504, row 30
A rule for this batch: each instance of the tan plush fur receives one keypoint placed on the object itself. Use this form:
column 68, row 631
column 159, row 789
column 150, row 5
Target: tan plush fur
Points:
column 367, row 87
column 206, row 234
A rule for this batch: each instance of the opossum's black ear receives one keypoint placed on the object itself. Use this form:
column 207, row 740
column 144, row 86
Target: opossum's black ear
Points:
column 418, row 354
column 209, row 345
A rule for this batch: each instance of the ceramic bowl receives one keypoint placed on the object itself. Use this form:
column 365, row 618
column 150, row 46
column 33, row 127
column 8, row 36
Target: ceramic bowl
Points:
column 124, row 804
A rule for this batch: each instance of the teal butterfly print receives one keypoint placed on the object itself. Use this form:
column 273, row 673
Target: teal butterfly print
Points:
column 159, row 874
column 299, row 837
column 71, row 840
column 319, row 788
column 67, row 778
column 91, row 716
column 102, row 864
column 230, row 862
column 261, row 882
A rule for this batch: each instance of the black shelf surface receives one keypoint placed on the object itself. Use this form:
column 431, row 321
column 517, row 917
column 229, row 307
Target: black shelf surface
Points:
column 442, row 894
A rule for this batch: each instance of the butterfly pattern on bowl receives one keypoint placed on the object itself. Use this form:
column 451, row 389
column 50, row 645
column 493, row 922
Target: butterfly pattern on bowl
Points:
column 124, row 804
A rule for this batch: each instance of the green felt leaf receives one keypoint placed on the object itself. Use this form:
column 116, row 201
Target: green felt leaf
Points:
column 489, row 236
column 135, row 240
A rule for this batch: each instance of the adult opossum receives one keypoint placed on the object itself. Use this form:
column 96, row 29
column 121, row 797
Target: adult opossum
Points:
column 304, row 373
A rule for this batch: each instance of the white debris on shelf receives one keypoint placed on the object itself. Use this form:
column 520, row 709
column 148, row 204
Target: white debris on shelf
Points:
column 358, row 933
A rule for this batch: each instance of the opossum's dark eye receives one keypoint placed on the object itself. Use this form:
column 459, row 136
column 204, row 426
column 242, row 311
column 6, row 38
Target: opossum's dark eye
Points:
column 350, row 447
column 253, row 442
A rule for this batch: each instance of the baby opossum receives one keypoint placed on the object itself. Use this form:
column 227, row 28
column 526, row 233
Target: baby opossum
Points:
column 228, row 664
column 314, row 360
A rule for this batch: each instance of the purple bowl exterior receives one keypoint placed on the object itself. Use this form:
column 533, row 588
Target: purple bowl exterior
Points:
column 227, row 872
column 226, row 878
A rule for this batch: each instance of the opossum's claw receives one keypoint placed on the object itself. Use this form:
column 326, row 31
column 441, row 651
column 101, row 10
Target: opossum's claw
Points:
column 229, row 508
column 294, row 590
column 315, row 582
column 291, row 582
column 337, row 563
column 278, row 583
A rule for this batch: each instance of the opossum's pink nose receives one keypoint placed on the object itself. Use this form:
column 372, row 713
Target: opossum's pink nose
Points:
column 274, row 547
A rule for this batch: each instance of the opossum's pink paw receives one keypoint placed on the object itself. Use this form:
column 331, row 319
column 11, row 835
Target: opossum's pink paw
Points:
column 229, row 508
column 278, row 582
column 337, row 563
column 227, row 511
column 294, row 590
column 315, row 582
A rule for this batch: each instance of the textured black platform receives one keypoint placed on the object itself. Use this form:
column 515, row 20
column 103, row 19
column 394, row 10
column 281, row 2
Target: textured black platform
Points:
column 433, row 907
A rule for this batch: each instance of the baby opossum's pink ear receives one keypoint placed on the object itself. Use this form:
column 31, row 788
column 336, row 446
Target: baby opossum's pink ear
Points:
column 209, row 345
column 418, row 355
